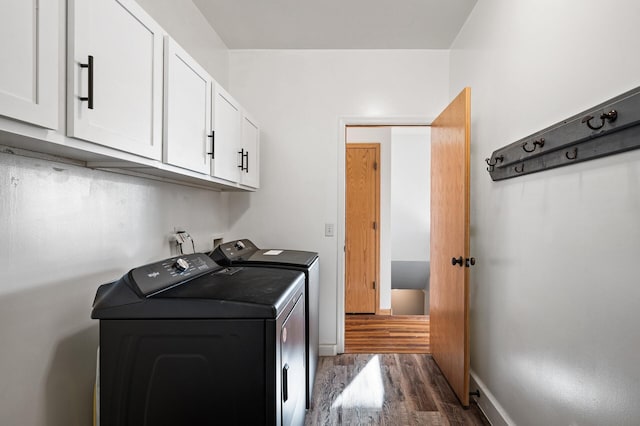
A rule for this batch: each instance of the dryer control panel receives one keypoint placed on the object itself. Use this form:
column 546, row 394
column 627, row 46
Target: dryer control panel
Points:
column 234, row 251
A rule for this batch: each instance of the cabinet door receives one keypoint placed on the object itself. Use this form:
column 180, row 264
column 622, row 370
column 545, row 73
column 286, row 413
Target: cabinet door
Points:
column 250, row 150
column 226, row 163
column 187, row 107
column 115, row 64
column 29, row 71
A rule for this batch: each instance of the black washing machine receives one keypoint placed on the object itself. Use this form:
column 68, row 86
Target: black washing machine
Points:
column 245, row 253
column 188, row 342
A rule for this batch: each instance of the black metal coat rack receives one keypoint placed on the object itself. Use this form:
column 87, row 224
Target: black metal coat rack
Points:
column 606, row 129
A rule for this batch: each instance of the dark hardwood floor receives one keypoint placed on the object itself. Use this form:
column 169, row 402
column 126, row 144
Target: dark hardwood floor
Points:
column 386, row 389
column 386, row 334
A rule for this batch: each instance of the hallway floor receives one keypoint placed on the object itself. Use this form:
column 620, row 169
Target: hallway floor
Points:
column 386, row 389
column 377, row 334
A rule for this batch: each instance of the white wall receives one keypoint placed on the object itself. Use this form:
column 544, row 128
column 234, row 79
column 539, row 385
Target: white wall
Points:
column 410, row 199
column 554, row 296
column 186, row 24
column 67, row 230
column 299, row 98
column 381, row 135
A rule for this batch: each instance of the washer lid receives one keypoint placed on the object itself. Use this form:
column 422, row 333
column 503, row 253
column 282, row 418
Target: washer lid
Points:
column 287, row 258
column 244, row 252
column 215, row 293
column 250, row 289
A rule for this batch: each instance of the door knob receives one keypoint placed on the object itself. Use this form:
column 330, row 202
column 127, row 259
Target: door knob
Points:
column 455, row 261
column 470, row 261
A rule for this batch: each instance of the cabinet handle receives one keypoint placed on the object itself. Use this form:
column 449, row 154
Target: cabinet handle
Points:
column 241, row 166
column 285, row 383
column 246, row 156
column 89, row 98
column 213, row 144
column 457, row 261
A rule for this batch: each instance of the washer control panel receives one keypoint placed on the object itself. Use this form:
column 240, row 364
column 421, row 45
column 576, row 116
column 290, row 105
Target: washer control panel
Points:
column 156, row 277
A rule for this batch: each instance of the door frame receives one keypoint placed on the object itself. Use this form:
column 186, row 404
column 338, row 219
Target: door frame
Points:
column 343, row 122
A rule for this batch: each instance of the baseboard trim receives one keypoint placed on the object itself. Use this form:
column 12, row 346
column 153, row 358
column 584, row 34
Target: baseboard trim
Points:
column 488, row 403
column 327, row 350
column 384, row 311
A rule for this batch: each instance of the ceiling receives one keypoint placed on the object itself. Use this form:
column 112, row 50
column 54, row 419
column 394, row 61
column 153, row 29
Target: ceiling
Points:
column 336, row 24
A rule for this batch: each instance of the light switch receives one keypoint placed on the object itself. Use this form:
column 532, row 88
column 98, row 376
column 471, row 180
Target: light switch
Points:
column 328, row 229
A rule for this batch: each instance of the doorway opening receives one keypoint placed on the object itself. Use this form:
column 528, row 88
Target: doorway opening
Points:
column 450, row 145
column 399, row 322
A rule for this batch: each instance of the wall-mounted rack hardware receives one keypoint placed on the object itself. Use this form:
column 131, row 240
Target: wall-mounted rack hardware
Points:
column 608, row 128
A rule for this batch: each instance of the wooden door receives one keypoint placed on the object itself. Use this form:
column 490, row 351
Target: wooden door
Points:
column 187, row 108
column 125, row 46
column 449, row 285
column 362, row 243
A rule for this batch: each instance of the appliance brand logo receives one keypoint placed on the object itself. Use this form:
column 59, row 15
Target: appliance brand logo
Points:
column 153, row 274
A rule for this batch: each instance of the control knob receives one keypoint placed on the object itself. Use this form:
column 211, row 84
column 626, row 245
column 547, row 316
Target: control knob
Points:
column 239, row 245
column 181, row 264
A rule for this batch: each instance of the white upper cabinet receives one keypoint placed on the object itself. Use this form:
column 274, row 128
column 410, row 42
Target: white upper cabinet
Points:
column 250, row 170
column 136, row 102
column 193, row 103
column 226, row 163
column 187, row 108
column 114, row 76
column 29, row 51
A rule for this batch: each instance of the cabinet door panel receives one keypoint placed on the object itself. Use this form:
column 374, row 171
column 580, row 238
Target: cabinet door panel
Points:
column 226, row 164
column 251, row 145
column 187, row 103
column 126, row 46
column 29, row 51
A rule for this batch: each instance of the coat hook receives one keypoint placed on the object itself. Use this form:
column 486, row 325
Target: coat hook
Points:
column 496, row 160
column 572, row 157
column 539, row 143
column 521, row 168
column 610, row 116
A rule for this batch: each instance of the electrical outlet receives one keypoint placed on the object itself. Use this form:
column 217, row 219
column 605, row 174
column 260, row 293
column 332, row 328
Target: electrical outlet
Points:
column 328, row 229
column 182, row 237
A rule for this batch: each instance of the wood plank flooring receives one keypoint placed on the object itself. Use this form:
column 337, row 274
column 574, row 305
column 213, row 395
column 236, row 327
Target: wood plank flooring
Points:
column 386, row 389
column 386, row 334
